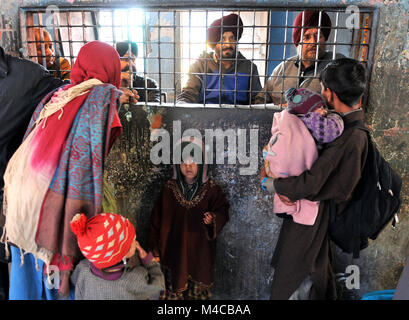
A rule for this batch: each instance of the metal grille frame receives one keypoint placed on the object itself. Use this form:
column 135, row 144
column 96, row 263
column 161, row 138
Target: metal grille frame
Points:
column 364, row 47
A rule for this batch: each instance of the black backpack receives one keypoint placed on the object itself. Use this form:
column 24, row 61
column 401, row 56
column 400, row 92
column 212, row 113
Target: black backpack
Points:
column 374, row 203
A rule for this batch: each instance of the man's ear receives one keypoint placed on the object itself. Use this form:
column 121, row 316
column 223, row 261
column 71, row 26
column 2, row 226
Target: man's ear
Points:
column 329, row 95
column 332, row 96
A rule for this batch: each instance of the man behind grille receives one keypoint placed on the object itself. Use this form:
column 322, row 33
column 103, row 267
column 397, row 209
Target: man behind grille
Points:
column 224, row 76
column 148, row 91
column 302, row 70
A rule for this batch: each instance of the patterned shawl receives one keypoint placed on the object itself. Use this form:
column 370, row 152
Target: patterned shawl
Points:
column 58, row 169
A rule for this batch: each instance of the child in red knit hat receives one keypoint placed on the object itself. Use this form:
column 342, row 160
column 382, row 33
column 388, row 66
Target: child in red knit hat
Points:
column 108, row 241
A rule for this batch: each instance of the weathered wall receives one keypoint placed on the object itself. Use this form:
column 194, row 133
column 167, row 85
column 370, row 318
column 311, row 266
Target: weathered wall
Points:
column 245, row 245
column 247, row 242
column 388, row 113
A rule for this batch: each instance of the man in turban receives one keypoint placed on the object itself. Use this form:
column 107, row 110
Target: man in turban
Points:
column 225, row 75
column 311, row 29
column 148, row 91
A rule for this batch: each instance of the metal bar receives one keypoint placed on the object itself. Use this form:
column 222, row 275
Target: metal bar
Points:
column 317, row 44
column 145, row 79
column 301, row 43
column 145, row 65
column 159, row 57
column 252, row 60
column 205, row 60
column 235, row 63
column 131, row 72
column 174, row 57
column 267, row 59
column 42, row 45
column 69, row 39
column 221, row 80
column 84, row 32
column 330, row 7
column 335, row 36
column 284, row 56
column 112, row 28
column 94, row 24
column 181, row 26
column 242, row 43
column 56, row 54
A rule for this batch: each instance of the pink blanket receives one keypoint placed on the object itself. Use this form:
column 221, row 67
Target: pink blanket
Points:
column 290, row 152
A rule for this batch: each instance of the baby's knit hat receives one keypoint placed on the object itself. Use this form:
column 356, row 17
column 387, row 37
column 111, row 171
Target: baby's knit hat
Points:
column 302, row 101
column 104, row 239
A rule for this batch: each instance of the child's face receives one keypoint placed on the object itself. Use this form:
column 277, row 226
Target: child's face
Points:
column 189, row 169
column 321, row 110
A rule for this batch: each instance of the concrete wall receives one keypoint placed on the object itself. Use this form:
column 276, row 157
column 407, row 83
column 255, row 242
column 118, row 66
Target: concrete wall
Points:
column 247, row 242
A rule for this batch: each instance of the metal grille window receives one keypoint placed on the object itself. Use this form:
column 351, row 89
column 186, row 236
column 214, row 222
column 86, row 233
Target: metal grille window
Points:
column 170, row 40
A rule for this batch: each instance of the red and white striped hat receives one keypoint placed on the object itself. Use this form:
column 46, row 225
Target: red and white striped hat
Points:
column 104, row 239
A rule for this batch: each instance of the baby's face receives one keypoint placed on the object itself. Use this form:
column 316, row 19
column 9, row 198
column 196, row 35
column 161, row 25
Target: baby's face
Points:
column 321, row 110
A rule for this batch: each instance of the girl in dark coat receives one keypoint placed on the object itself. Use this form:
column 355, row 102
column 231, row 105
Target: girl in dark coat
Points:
column 186, row 220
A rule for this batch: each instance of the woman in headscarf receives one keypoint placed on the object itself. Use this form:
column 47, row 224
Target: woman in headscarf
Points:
column 186, row 220
column 58, row 171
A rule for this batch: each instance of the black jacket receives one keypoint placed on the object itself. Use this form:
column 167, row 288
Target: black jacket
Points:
column 22, row 86
column 151, row 89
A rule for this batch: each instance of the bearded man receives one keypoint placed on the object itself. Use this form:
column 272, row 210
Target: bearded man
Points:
column 224, row 76
column 311, row 29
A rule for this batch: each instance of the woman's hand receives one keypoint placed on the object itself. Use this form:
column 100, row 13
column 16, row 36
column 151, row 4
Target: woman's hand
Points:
column 128, row 96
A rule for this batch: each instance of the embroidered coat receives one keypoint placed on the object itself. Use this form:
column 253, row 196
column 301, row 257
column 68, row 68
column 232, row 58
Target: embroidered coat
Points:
column 177, row 234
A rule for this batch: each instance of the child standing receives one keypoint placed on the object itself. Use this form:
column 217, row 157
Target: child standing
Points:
column 187, row 218
column 298, row 132
column 108, row 241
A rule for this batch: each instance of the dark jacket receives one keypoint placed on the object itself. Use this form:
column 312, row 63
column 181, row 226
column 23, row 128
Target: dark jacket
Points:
column 303, row 250
column 22, row 86
column 151, row 88
column 235, row 85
